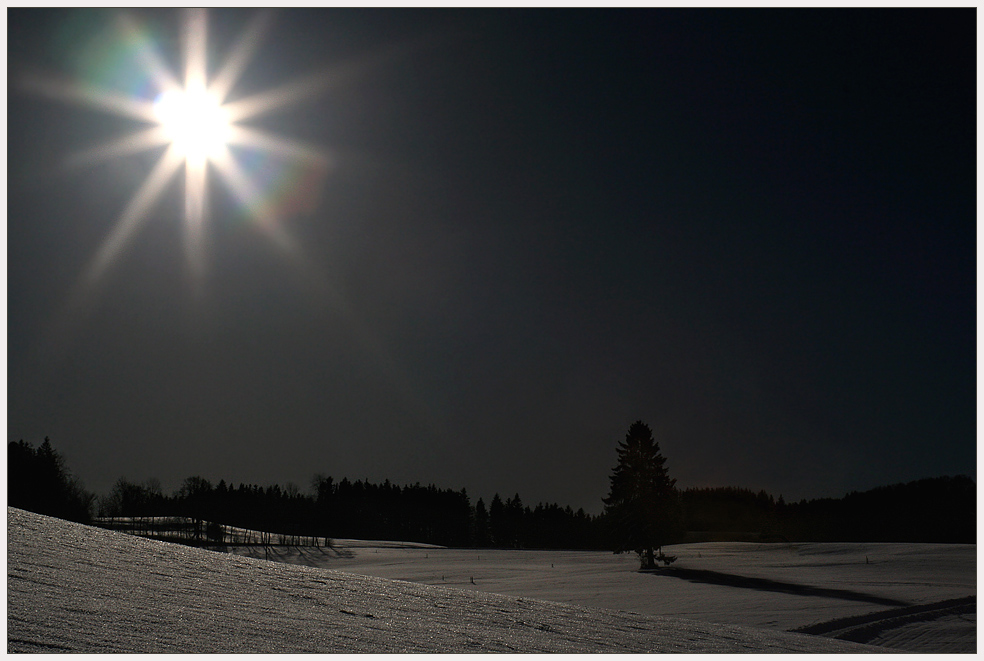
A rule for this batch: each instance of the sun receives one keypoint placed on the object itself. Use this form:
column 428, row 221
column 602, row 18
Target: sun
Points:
column 195, row 122
column 192, row 118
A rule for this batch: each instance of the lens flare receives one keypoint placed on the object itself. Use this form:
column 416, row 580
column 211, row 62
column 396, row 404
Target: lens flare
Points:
column 268, row 176
column 191, row 117
column 193, row 121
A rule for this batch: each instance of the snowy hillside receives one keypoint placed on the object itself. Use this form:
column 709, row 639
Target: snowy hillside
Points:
column 81, row 589
column 911, row 597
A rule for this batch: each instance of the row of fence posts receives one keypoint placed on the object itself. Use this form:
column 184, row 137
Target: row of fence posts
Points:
column 154, row 527
column 193, row 529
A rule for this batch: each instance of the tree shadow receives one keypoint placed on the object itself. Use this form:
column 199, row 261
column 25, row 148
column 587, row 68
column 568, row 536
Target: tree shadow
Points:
column 769, row 585
column 340, row 553
column 313, row 556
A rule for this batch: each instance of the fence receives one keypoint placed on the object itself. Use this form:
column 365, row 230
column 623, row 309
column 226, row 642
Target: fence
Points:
column 199, row 532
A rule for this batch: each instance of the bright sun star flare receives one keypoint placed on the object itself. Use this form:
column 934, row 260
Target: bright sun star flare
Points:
column 192, row 118
column 194, row 121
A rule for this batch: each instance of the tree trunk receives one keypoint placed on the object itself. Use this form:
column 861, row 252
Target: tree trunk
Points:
column 650, row 559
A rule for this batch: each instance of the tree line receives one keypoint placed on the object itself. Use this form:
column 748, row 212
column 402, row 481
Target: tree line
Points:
column 362, row 510
column 644, row 509
column 38, row 480
column 939, row 509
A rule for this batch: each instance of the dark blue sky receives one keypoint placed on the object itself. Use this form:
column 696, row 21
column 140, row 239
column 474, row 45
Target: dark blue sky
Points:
column 755, row 230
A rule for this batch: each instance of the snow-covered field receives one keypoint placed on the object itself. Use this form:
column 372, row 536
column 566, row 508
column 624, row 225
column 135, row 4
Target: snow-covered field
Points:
column 913, row 597
column 81, row 589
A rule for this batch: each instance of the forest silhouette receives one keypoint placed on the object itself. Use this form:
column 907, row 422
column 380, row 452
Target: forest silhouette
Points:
column 39, row 481
column 941, row 510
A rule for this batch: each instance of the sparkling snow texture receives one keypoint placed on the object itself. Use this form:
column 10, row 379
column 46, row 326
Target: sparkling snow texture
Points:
column 80, row 589
column 787, row 586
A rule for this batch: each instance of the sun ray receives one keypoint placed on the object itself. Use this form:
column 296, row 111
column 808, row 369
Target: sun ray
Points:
column 132, row 217
column 246, row 192
column 114, row 102
column 250, row 137
column 316, row 83
column 191, row 123
column 195, row 205
column 240, row 56
column 195, row 50
column 239, row 184
column 188, row 116
column 159, row 72
column 265, row 215
column 132, row 143
column 285, row 95
column 287, row 172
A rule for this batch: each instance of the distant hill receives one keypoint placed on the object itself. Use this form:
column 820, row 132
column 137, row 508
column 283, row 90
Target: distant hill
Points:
column 940, row 509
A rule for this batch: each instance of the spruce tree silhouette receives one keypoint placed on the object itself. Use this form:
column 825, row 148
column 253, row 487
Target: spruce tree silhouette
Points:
column 497, row 522
column 481, row 536
column 39, row 481
column 642, row 506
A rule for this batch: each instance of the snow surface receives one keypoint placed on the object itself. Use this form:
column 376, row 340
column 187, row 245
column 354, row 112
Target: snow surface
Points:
column 771, row 586
column 81, row 589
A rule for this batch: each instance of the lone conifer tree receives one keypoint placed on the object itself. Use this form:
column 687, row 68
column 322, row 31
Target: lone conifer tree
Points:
column 642, row 506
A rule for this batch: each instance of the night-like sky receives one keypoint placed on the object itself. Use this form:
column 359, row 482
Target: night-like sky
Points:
column 523, row 230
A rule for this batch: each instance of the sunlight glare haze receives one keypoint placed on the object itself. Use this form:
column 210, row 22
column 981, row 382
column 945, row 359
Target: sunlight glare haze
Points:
column 194, row 121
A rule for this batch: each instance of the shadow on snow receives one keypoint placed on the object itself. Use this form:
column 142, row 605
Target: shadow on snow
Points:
column 769, row 585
